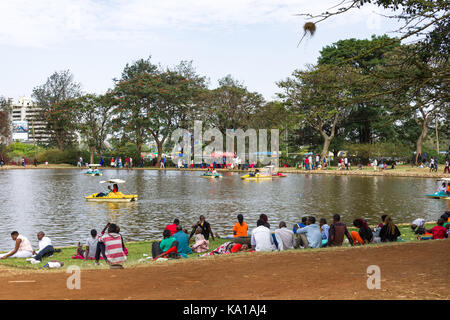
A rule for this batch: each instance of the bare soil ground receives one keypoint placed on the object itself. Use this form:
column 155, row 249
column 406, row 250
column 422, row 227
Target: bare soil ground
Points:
column 408, row 271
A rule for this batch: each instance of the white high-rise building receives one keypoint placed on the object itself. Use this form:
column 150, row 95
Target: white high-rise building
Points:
column 26, row 116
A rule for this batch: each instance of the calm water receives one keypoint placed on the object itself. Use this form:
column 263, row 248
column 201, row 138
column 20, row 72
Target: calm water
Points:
column 53, row 201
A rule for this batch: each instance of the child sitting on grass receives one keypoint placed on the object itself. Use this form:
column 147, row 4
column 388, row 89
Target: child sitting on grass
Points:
column 438, row 232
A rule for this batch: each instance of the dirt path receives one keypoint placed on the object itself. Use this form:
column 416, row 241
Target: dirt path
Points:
column 408, row 271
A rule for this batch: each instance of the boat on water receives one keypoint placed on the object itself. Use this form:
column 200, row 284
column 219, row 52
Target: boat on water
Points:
column 93, row 170
column 111, row 196
column 212, row 175
column 268, row 172
column 441, row 194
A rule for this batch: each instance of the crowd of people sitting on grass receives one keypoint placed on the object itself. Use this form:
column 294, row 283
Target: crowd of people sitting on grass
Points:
column 177, row 242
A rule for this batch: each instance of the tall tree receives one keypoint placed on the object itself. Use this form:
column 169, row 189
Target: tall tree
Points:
column 94, row 121
column 321, row 97
column 369, row 119
column 50, row 98
column 232, row 105
column 155, row 101
column 5, row 121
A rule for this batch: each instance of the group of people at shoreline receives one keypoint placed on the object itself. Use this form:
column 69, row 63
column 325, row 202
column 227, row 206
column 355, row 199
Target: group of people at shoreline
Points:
column 178, row 242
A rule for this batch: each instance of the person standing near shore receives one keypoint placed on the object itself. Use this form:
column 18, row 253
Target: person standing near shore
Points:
column 447, row 166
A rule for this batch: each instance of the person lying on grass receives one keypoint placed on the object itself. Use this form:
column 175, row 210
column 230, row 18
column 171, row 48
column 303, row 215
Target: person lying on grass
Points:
column 438, row 232
column 226, row 248
column 22, row 248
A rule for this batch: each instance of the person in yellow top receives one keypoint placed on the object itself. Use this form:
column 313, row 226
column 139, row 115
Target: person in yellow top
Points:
column 240, row 228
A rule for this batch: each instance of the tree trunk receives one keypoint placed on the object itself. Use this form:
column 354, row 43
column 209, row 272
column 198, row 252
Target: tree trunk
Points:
column 421, row 138
column 326, row 145
column 59, row 142
column 160, row 150
column 92, row 149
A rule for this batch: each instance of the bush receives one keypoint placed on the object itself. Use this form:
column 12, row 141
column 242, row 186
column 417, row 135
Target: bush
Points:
column 69, row 156
column 365, row 151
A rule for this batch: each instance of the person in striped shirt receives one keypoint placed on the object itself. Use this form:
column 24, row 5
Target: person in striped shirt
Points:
column 113, row 246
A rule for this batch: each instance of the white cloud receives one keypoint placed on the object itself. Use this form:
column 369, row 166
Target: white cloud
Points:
column 51, row 22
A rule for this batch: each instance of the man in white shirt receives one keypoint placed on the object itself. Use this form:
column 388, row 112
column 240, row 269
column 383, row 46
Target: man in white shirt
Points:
column 285, row 237
column 45, row 248
column 262, row 238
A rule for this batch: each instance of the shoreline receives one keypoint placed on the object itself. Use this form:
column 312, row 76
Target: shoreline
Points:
column 406, row 171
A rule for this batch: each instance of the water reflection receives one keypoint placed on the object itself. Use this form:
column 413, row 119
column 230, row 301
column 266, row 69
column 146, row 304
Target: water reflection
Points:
column 53, row 201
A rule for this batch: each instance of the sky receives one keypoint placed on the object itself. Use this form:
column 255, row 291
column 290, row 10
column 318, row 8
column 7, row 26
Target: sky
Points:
column 253, row 41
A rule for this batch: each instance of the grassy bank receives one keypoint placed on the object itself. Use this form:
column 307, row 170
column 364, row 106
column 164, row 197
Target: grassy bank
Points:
column 137, row 250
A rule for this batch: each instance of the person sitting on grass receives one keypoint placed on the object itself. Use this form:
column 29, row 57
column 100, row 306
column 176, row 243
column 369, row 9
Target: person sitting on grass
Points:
column 325, row 229
column 389, row 232
column 183, row 242
column 311, row 235
column 262, row 238
column 438, row 232
column 113, row 247
column 364, row 234
column 45, row 248
column 240, row 228
column 22, row 248
column 284, row 237
column 418, row 224
column 264, row 218
column 173, row 227
column 205, row 226
column 201, row 244
column 299, row 225
column 166, row 248
column 338, row 230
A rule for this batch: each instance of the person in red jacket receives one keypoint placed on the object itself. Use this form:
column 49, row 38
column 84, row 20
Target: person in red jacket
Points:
column 439, row 231
column 173, row 227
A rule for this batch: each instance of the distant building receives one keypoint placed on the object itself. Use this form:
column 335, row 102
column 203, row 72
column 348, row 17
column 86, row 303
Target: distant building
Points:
column 26, row 116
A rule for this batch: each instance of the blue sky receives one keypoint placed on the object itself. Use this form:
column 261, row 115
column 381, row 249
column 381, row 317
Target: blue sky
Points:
column 254, row 41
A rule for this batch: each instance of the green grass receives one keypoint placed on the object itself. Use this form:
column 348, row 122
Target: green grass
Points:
column 136, row 251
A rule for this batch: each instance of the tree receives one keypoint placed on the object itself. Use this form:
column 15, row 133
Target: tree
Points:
column 415, row 87
column 321, row 96
column 152, row 101
column 53, row 98
column 5, row 121
column 231, row 105
column 94, row 121
column 370, row 119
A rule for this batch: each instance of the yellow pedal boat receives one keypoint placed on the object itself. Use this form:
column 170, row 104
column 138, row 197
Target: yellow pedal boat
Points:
column 117, row 197
column 256, row 177
column 113, row 197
